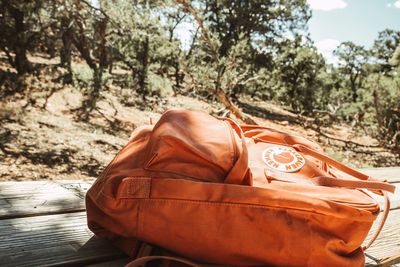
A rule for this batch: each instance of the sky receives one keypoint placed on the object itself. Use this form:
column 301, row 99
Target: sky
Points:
column 359, row 21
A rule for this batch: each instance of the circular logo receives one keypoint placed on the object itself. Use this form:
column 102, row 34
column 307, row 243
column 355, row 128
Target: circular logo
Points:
column 283, row 159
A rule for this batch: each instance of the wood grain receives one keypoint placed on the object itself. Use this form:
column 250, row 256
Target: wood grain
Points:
column 394, row 198
column 52, row 240
column 392, row 174
column 22, row 199
column 388, row 243
column 42, row 224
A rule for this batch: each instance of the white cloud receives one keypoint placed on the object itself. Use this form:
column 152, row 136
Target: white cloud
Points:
column 327, row 4
column 326, row 47
column 395, row 4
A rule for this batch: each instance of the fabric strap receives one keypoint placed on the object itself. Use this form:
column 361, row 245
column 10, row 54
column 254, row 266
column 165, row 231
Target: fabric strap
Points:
column 365, row 182
column 143, row 260
column 332, row 162
column 381, row 223
column 370, row 184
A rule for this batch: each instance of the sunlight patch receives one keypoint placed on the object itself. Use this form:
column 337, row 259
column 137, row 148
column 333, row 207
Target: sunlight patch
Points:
column 327, row 4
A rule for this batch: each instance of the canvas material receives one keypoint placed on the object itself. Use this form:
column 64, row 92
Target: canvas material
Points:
column 211, row 191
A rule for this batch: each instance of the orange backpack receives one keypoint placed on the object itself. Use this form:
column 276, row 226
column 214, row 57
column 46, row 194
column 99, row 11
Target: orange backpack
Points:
column 215, row 192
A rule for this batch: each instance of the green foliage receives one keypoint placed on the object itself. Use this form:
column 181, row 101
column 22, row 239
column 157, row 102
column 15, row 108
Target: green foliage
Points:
column 261, row 20
column 386, row 102
column 143, row 45
column 258, row 48
column 395, row 59
column 352, row 63
column 20, row 26
column 230, row 73
column 384, row 48
column 160, row 86
column 299, row 66
column 82, row 74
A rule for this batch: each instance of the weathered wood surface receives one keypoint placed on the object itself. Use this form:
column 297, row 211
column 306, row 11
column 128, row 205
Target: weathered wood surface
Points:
column 43, row 224
column 50, row 240
column 23, row 199
column 392, row 174
column 387, row 246
column 388, row 243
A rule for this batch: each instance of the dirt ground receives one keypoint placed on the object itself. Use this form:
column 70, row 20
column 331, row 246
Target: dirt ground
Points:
column 42, row 138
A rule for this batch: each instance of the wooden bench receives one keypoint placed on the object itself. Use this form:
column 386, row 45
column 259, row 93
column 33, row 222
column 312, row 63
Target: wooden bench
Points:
column 43, row 223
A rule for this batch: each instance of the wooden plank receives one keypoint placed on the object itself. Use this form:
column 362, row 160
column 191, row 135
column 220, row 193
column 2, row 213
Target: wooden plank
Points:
column 392, row 174
column 52, row 240
column 394, row 198
column 388, row 243
column 21, row 199
column 64, row 238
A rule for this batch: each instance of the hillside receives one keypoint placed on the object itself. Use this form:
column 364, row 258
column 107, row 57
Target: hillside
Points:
column 42, row 136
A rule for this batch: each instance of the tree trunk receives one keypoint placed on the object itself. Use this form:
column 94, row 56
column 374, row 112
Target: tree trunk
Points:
column 354, row 94
column 98, row 71
column 97, row 84
column 21, row 61
column 353, row 85
column 223, row 98
column 292, row 99
column 66, row 50
column 178, row 77
column 66, row 37
column 143, row 74
column 83, row 45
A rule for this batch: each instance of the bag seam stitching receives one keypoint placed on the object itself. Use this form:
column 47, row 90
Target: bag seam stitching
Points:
column 161, row 200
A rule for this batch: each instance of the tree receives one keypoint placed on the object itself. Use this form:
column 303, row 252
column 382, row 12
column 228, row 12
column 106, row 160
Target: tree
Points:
column 260, row 20
column 384, row 48
column 146, row 43
column 352, row 61
column 298, row 67
column 255, row 27
column 19, row 27
column 87, row 28
column 395, row 60
column 211, row 69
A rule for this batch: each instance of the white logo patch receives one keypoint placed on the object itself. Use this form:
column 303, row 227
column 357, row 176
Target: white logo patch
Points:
column 283, row 159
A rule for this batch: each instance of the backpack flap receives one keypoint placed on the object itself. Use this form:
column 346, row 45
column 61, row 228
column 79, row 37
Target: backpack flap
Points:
column 197, row 146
